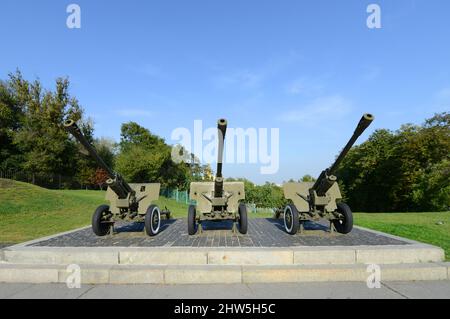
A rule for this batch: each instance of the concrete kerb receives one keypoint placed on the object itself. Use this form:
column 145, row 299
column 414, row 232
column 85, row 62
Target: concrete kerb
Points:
column 205, row 274
column 304, row 273
column 420, row 253
column 61, row 256
column 29, row 273
column 446, row 265
column 34, row 241
column 414, row 253
column 282, row 256
column 406, row 240
column 448, row 270
column 137, row 274
column 208, row 274
column 413, row 272
column 162, row 256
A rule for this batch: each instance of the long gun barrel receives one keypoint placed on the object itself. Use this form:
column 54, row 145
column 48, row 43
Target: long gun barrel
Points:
column 327, row 178
column 115, row 181
column 218, row 185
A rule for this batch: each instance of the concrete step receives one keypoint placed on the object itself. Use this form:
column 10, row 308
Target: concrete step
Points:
column 223, row 274
column 336, row 255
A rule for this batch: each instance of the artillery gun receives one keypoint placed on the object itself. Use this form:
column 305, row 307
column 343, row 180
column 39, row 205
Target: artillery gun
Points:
column 311, row 201
column 128, row 202
column 217, row 201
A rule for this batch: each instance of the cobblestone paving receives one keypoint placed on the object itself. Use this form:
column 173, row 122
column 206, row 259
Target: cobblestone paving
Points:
column 261, row 233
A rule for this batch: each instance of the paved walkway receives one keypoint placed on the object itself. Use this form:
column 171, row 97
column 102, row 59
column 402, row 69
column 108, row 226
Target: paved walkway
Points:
column 344, row 290
column 262, row 232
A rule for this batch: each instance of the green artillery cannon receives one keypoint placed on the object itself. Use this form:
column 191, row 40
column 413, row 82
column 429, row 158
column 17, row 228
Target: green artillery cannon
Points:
column 217, row 201
column 128, row 202
column 313, row 201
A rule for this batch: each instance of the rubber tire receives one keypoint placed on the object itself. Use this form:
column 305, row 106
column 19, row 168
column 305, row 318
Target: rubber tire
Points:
column 148, row 222
column 192, row 222
column 344, row 226
column 295, row 221
column 243, row 219
column 100, row 229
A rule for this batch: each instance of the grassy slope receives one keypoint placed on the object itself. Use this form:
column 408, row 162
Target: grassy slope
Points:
column 28, row 212
column 422, row 227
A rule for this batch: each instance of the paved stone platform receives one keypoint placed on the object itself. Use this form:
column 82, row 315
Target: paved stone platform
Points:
column 261, row 233
column 265, row 255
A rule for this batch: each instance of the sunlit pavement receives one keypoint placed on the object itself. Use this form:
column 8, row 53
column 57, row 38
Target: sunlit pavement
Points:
column 342, row 290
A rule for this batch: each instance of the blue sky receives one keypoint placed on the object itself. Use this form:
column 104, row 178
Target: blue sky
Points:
column 309, row 68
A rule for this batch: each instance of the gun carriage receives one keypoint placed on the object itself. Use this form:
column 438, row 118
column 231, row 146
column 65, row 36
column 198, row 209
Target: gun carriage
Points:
column 311, row 201
column 219, row 200
column 128, row 202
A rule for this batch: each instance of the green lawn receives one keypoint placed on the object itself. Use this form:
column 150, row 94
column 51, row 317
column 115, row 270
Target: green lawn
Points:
column 28, row 212
column 422, row 227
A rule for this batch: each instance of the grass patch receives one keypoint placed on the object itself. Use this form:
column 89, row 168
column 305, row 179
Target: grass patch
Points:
column 28, row 212
column 423, row 227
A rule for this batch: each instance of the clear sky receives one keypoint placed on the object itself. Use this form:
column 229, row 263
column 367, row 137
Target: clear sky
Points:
column 309, row 68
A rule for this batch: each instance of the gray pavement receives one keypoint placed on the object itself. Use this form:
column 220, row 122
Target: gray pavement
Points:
column 343, row 290
column 263, row 232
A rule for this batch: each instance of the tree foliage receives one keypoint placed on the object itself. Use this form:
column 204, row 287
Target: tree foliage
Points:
column 33, row 138
column 405, row 170
column 268, row 195
column 145, row 157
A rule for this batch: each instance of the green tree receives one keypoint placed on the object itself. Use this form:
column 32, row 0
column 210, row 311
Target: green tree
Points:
column 11, row 120
column 307, row 178
column 85, row 164
column 39, row 135
column 268, row 195
column 145, row 157
column 405, row 170
column 106, row 149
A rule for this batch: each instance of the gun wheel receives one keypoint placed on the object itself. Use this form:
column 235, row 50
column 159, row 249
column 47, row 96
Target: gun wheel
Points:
column 100, row 222
column 291, row 221
column 192, row 223
column 345, row 224
column 152, row 220
column 243, row 219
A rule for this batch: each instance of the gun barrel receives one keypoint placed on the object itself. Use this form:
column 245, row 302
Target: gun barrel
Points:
column 117, row 184
column 218, row 185
column 327, row 178
column 73, row 128
column 363, row 124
